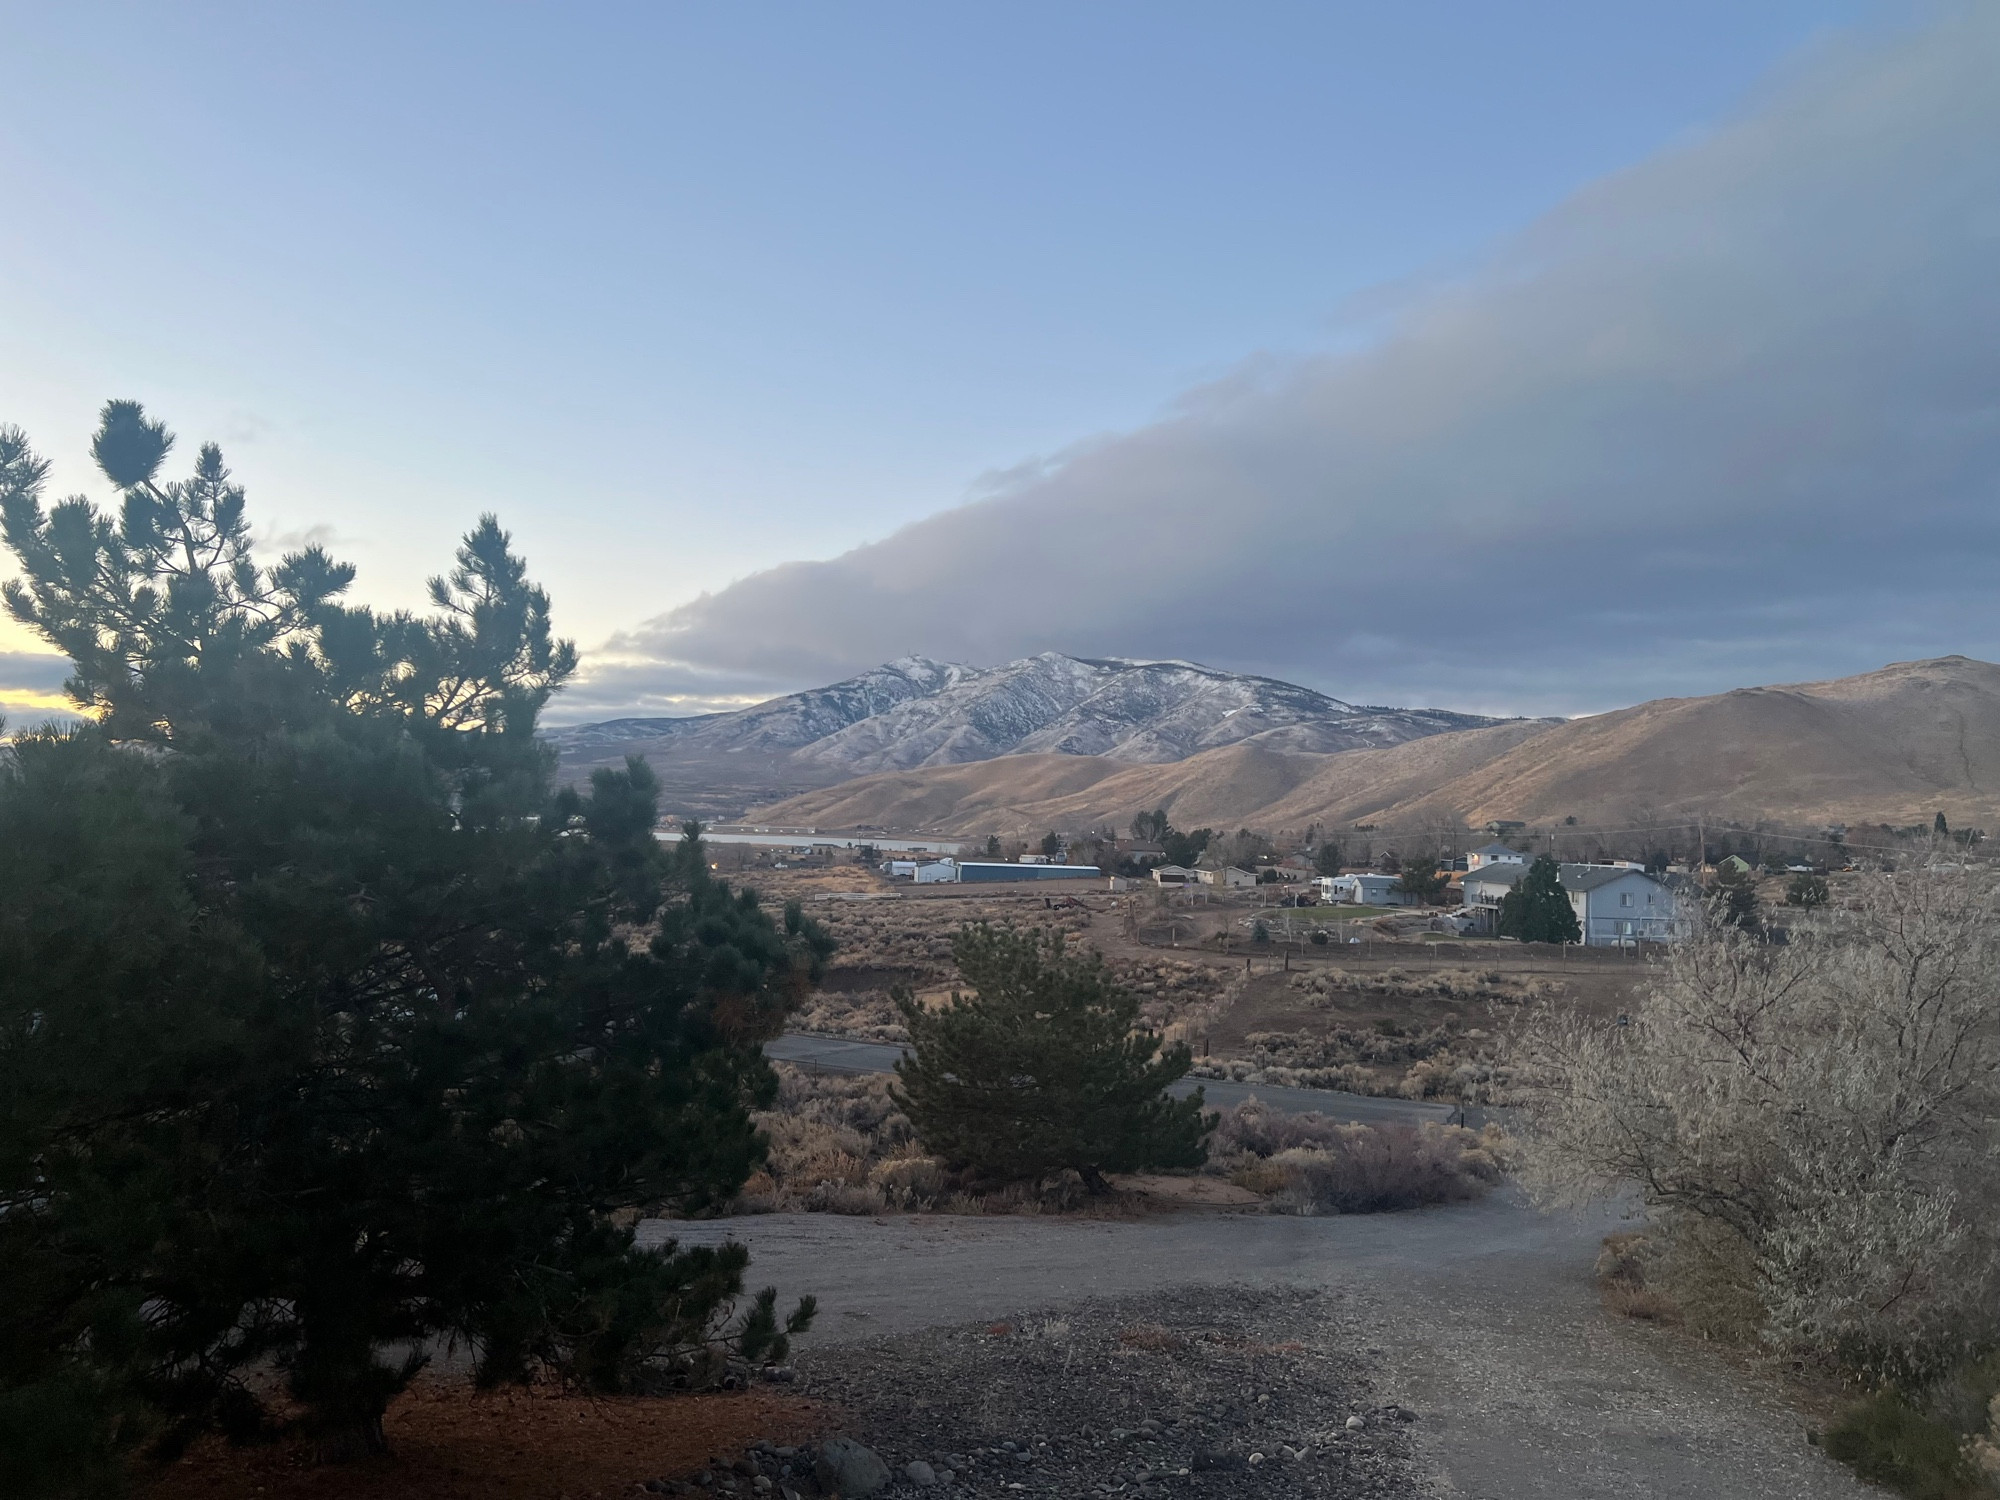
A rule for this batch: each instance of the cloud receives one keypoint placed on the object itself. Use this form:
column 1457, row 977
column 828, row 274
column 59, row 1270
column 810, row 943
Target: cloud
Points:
column 31, row 689
column 1730, row 416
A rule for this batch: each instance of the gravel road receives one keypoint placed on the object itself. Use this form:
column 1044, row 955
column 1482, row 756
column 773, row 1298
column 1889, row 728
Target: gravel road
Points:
column 1481, row 1318
column 839, row 1055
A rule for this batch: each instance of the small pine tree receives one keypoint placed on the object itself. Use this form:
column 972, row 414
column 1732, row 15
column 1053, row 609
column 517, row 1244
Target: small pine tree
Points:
column 1807, row 890
column 1735, row 898
column 1537, row 910
column 1038, row 1069
column 1051, row 845
column 1327, row 860
column 1939, row 826
column 1423, row 880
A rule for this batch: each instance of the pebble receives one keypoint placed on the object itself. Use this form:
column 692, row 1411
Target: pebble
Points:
column 920, row 1473
column 1355, row 1424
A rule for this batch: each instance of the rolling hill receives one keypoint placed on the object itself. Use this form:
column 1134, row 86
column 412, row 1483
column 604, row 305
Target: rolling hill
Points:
column 1890, row 746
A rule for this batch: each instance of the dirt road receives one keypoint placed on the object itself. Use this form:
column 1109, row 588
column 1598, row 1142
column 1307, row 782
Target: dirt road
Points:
column 1483, row 1318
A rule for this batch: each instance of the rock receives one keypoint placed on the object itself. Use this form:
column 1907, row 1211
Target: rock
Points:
column 745, row 1466
column 761, row 1485
column 946, row 1476
column 1209, row 1459
column 787, row 1451
column 919, row 1473
column 1355, row 1424
column 850, row 1468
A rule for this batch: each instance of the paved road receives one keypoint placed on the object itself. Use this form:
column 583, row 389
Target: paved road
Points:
column 1482, row 1317
column 837, row 1055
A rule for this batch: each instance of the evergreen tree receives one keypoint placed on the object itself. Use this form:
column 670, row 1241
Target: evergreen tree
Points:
column 1537, row 910
column 1051, row 845
column 328, row 1024
column 1327, row 859
column 1939, row 826
column 1422, row 879
column 1185, row 848
column 1807, row 890
column 1038, row 1069
column 1734, row 898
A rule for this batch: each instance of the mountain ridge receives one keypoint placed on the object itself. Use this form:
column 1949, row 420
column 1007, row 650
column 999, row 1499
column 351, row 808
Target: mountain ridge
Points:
column 916, row 713
column 1892, row 745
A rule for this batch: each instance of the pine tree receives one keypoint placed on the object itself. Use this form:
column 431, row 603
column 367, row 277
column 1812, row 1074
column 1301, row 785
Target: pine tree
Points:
column 1807, row 889
column 1537, row 910
column 1734, row 898
column 328, row 1024
column 1039, row 1069
column 1421, row 878
column 1326, row 860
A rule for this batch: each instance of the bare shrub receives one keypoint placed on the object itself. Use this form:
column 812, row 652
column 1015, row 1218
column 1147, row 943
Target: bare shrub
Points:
column 1815, row 1126
column 1310, row 1164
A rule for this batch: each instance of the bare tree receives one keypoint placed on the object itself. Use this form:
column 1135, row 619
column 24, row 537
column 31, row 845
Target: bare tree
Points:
column 1815, row 1126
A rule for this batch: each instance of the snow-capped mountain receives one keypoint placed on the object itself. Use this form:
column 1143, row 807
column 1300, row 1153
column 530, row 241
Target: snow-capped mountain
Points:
column 916, row 712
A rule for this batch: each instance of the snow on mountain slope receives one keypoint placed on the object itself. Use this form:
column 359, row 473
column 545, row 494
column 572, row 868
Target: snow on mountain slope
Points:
column 915, row 712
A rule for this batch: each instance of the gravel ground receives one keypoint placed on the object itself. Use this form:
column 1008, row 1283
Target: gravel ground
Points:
column 1483, row 1318
column 1207, row 1392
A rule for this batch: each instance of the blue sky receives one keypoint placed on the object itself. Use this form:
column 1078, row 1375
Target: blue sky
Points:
column 686, row 293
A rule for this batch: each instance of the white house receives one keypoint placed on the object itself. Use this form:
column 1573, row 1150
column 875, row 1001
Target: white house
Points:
column 1172, row 875
column 1367, row 890
column 941, row 873
column 1494, row 854
column 1228, row 877
column 1615, row 905
column 1618, row 905
column 1488, row 885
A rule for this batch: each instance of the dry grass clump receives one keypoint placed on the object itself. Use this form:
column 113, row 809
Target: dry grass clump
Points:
column 1624, row 1279
column 1309, row 1164
column 1174, row 992
column 839, row 1144
column 1490, row 985
column 1445, row 1061
column 866, row 1014
column 915, row 935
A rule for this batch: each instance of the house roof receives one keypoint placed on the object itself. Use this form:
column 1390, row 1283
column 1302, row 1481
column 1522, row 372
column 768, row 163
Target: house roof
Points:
column 1581, row 878
column 1506, row 872
column 1499, row 851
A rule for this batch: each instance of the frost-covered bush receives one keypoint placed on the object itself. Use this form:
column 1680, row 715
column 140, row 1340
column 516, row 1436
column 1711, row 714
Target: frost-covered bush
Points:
column 1814, row 1125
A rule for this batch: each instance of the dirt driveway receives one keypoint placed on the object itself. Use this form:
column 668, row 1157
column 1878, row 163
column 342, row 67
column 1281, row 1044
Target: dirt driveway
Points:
column 1482, row 1318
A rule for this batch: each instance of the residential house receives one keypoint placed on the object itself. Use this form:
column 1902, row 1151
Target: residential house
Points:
column 1615, row 905
column 1366, row 889
column 1229, row 877
column 1494, row 854
column 1619, row 906
column 1174, row 875
column 1486, row 887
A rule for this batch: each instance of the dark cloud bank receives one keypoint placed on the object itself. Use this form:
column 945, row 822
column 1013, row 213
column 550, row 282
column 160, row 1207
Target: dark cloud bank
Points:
column 1731, row 416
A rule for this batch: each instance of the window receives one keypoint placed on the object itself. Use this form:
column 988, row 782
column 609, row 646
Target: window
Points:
column 1624, row 898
